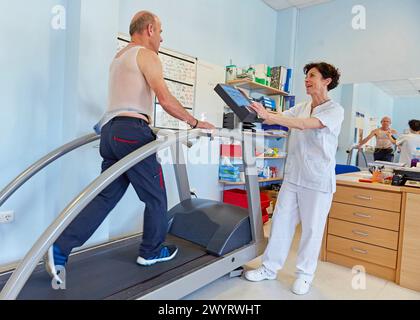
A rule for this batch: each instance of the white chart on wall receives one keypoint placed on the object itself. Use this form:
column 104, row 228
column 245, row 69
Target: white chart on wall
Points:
column 179, row 72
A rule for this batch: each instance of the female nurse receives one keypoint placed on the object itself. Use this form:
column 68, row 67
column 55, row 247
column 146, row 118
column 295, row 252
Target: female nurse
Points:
column 309, row 181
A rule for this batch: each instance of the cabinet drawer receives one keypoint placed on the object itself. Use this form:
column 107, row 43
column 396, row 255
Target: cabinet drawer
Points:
column 362, row 251
column 385, row 200
column 359, row 232
column 371, row 268
column 372, row 217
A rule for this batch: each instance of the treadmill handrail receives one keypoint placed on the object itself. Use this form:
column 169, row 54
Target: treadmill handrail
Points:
column 27, row 174
column 25, row 268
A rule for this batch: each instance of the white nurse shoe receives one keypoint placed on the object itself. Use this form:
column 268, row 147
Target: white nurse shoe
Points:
column 301, row 286
column 259, row 274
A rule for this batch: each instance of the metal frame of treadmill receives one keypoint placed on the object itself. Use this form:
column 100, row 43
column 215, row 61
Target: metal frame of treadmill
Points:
column 189, row 282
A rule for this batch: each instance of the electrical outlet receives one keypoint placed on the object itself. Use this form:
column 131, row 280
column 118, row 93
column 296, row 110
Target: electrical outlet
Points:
column 7, row 217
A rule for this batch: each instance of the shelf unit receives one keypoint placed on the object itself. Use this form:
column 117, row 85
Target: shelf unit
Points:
column 269, row 134
column 282, row 98
column 257, row 87
column 261, row 157
column 259, row 180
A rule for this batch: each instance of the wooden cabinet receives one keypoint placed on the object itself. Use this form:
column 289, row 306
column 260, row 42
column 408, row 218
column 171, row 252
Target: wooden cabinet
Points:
column 375, row 226
column 410, row 247
column 363, row 229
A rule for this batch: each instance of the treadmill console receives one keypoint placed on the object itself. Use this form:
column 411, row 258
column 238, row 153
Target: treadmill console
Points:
column 238, row 102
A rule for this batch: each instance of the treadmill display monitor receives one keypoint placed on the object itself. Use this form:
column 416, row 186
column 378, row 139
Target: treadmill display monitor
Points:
column 238, row 102
column 236, row 96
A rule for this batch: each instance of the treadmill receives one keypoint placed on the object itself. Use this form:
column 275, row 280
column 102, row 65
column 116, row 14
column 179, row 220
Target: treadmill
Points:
column 213, row 238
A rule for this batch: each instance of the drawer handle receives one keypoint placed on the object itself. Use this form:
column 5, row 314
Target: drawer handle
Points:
column 362, row 215
column 360, row 233
column 361, row 197
column 359, row 250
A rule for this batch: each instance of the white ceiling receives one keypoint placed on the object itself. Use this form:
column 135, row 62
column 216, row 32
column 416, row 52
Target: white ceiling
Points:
column 284, row 4
column 400, row 88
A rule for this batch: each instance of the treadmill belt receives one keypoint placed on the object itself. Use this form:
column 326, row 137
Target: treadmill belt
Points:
column 108, row 271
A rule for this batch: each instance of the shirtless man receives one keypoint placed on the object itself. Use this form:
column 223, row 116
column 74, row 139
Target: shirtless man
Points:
column 385, row 141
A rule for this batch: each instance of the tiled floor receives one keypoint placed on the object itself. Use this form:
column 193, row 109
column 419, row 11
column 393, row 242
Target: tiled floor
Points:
column 331, row 282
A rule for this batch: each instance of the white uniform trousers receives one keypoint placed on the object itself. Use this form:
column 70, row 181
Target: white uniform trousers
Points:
column 297, row 204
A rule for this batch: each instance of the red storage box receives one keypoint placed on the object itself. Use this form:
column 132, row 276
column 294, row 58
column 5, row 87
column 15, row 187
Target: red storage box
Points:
column 231, row 150
column 238, row 197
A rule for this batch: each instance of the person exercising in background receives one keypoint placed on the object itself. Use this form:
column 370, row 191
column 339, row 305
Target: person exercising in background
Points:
column 135, row 77
column 385, row 141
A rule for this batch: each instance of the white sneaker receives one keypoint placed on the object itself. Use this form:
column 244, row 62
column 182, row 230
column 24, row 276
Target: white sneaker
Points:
column 301, row 286
column 259, row 274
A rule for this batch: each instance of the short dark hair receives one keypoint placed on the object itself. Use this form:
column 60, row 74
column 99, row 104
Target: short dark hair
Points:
column 327, row 70
column 140, row 22
column 414, row 125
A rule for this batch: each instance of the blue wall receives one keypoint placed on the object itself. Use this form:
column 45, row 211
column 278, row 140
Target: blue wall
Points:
column 31, row 87
column 215, row 31
column 53, row 86
column 53, row 89
column 365, row 98
column 386, row 50
column 405, row 109
column 91, row 46
column 372, row 101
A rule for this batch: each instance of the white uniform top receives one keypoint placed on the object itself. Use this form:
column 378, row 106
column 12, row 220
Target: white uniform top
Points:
column 311, row 152
column 408, row 144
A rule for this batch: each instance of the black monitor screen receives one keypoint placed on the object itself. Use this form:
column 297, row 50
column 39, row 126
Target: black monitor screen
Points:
column 238, row 102
column 236, row 96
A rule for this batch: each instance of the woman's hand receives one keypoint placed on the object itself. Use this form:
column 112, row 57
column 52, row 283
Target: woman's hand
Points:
column 260, row 110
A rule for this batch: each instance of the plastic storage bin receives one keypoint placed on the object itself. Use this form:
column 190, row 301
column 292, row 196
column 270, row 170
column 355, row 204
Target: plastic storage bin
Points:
column 238, row 197
column 231, row 150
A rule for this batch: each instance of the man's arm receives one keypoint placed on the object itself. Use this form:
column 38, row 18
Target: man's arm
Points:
column 151, row 66
column 292, row 123
column 365, row 140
